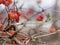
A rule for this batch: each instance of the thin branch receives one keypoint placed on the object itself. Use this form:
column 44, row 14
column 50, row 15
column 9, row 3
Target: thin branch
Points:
column 44, row 35
column 18, row 41
column 4, row 20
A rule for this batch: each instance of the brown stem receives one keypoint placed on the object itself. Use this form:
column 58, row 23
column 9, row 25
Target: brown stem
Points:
column 45, row 35
column 4, row 21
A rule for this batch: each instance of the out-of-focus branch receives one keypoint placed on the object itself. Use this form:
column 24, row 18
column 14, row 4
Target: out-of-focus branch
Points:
column 45, row 35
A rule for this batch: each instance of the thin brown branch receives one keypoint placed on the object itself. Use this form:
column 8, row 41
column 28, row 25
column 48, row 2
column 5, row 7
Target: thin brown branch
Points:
column 45, row 35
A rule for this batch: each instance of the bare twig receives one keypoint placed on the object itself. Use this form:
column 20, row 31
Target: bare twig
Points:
column 18, row 41
column 44, row 35
column 4, row 20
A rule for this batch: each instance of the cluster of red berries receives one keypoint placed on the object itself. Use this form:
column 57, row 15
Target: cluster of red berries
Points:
column 40, row 17
column 14, row 15
column 6, row 2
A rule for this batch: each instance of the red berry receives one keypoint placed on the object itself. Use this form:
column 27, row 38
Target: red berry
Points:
column 11, row 32
column 39, row 18
column 15, row 15
column 11, row 16
column 19, row 13
column 25, row 17
column 16, row 18
column 10, row 1
column 52, row 29
column 7, row 2
column 1, row 1
column 30, row 11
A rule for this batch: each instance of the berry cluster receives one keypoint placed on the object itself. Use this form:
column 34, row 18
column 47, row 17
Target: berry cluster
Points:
column 6, row 2
column 14, row 15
